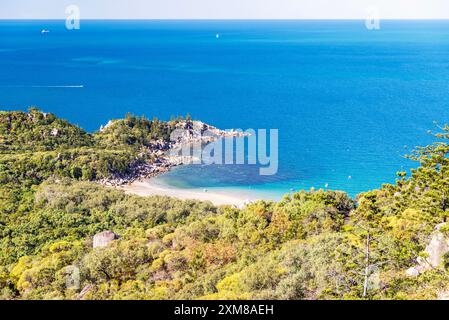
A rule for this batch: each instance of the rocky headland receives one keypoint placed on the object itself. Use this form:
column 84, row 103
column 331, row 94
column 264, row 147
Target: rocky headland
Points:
column 160, row 156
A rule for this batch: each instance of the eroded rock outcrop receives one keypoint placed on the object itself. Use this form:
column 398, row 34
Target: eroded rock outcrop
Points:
column 85, row 291
column 435, row 250
column 167, row 154
column 102, row 239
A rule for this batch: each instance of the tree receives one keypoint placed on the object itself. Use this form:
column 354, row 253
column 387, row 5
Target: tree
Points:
column 431, row 179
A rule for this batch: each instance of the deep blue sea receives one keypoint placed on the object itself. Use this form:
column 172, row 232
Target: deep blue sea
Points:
column 348, row 102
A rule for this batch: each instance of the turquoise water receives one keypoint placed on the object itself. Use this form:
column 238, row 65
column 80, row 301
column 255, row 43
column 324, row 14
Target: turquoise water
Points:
column 348, row 102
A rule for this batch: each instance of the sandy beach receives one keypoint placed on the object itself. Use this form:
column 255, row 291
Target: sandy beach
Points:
column 149, row 187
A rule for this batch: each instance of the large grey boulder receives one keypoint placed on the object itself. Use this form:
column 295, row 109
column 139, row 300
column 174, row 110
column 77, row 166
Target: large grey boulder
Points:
column 102, row 239
column 437, row 247
column 435, row 250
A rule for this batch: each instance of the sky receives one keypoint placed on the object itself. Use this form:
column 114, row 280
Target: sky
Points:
column 226, row 9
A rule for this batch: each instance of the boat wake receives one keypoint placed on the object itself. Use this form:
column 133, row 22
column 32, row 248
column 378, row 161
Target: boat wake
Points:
column 41, row 86
column 73, row 86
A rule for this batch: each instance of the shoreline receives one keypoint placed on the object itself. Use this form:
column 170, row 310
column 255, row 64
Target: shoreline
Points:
column 141, row 181
column 166, row 154
column 149, row 187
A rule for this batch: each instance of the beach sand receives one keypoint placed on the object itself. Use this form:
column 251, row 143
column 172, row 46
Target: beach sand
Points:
column 149, row 187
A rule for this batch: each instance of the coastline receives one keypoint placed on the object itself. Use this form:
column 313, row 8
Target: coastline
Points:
column 166, row 154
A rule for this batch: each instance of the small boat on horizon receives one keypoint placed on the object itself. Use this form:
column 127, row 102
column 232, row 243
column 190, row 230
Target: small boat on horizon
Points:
column 45, row 31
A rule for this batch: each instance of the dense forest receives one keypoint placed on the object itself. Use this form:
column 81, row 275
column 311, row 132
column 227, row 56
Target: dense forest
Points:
column 310, row 245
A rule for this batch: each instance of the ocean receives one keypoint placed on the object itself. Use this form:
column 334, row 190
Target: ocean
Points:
column 348, row 102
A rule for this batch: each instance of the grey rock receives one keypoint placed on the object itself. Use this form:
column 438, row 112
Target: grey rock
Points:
column 85, row 290
column 412, row 272
column 102, row 239
column 438, row 246
column 444, row 295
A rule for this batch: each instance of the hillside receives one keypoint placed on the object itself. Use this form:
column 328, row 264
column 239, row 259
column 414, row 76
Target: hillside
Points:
column 310, row 245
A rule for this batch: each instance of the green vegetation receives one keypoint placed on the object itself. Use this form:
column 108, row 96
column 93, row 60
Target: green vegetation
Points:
column 310, row 245
column 37, row 145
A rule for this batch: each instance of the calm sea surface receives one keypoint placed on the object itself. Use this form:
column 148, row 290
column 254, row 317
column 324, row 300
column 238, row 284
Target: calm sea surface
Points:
column 348, row 102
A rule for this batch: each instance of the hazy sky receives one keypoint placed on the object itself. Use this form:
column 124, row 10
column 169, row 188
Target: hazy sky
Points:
column 226, row 9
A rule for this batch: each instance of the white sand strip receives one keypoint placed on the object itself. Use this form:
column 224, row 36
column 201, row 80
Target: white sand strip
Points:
column 149, row 188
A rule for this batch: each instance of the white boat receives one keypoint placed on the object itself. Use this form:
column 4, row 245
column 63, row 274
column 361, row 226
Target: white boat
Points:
column 45, row 31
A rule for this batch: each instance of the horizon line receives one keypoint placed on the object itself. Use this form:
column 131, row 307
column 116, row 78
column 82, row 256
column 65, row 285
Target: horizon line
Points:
column 228, row 19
